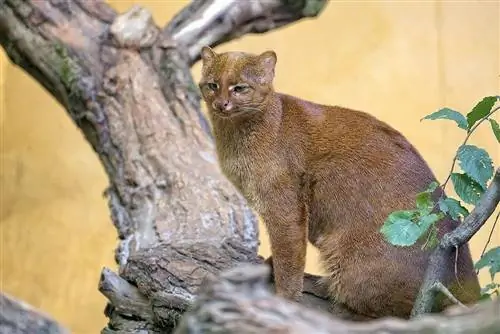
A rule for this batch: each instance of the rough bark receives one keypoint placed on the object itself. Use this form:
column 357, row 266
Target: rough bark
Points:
column 17, row 317
column 126, row 84
column 160, row 283
column 138, row 107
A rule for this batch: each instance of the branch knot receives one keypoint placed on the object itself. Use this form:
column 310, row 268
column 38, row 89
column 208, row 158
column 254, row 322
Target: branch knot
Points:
column 135, row 29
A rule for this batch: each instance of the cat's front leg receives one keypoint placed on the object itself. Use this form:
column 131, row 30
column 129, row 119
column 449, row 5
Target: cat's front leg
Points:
column 286, row 223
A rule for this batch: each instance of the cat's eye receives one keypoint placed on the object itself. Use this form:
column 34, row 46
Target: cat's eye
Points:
column 240, row 88
column 212, row 86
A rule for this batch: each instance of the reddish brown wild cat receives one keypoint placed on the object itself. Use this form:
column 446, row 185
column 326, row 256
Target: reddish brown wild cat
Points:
column 328, row 175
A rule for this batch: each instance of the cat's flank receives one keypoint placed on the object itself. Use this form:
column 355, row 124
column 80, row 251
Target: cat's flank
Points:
column 328, row 175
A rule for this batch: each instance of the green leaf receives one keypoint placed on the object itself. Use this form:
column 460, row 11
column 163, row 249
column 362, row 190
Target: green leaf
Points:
column 400, row 230
column 447, row 113
column 452, row 207
column 432, row 239
column 424, row 202
column 490, row 286
column 484, row 296
column 490, row 259
column 488, row 290
column 496, row 128
column 429, row 220
column 431, row 187
column 481, row 109
column 466, row 188
column 476, row 163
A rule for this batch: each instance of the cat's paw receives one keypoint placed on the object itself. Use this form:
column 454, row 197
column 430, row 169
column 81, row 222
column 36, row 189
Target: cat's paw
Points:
column 295, row 296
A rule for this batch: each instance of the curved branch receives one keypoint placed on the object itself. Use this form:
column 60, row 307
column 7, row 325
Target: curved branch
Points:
column 128, row 88
column 213, row 22
column 452, row 240
column 137, row 105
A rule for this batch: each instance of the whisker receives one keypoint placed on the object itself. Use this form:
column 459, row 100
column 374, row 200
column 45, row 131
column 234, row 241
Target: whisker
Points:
column 249, row 109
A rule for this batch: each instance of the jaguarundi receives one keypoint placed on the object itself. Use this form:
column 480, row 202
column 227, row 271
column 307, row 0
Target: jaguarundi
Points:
column 328, row 175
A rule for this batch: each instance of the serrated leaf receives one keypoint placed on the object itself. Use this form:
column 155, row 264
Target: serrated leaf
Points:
column 400, row 230
column 466, row 188
column 476, row 163
column 447, row 113
column 481, row 109
column 496, row 128
column 452, row 207
column 490, row 259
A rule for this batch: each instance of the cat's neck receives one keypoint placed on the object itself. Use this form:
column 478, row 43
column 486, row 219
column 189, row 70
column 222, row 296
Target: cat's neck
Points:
column 249, row 131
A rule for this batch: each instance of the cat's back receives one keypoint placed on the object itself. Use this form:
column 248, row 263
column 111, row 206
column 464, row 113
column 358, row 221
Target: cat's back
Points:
column 340, row 131
column 354, row 144
column 329, row 122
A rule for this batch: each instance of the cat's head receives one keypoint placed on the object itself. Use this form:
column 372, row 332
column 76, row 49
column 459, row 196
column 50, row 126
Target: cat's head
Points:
column 236, row 83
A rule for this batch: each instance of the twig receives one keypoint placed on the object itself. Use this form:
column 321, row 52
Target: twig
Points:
column 443, row 186
column 459, row 236
column 438, row 286
column 456, row 267
column 469, row 133
column 124, row 296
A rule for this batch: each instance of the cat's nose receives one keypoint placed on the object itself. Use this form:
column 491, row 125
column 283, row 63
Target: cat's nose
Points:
column 228, row 106
column 222, row 105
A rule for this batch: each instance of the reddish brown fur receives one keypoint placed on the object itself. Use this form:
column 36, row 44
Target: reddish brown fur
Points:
column 328, row 175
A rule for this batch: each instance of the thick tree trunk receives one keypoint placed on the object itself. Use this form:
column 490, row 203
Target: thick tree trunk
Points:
column 126, row 84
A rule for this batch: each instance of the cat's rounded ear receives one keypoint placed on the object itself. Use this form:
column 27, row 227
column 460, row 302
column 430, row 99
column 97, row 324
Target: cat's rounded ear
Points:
column 268, row 60
column 207, row 54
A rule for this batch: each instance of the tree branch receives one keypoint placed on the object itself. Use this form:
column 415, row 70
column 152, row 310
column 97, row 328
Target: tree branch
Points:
column 128, row 87
column 439, row 287
column 17, row 317
column 132, row 95
column 170, row 276
column 213, row 22
column 452, row 240
column 137, row 105
column 125, row 297
column 239, row 302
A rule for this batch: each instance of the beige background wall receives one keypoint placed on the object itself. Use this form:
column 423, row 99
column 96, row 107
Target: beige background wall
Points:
column 396, row 61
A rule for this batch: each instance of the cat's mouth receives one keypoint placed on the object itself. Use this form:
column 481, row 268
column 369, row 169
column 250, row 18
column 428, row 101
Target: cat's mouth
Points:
column 236, row 112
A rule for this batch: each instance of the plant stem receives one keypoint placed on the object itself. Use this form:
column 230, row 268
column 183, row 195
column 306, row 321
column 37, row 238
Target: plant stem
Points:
column 469, row 133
